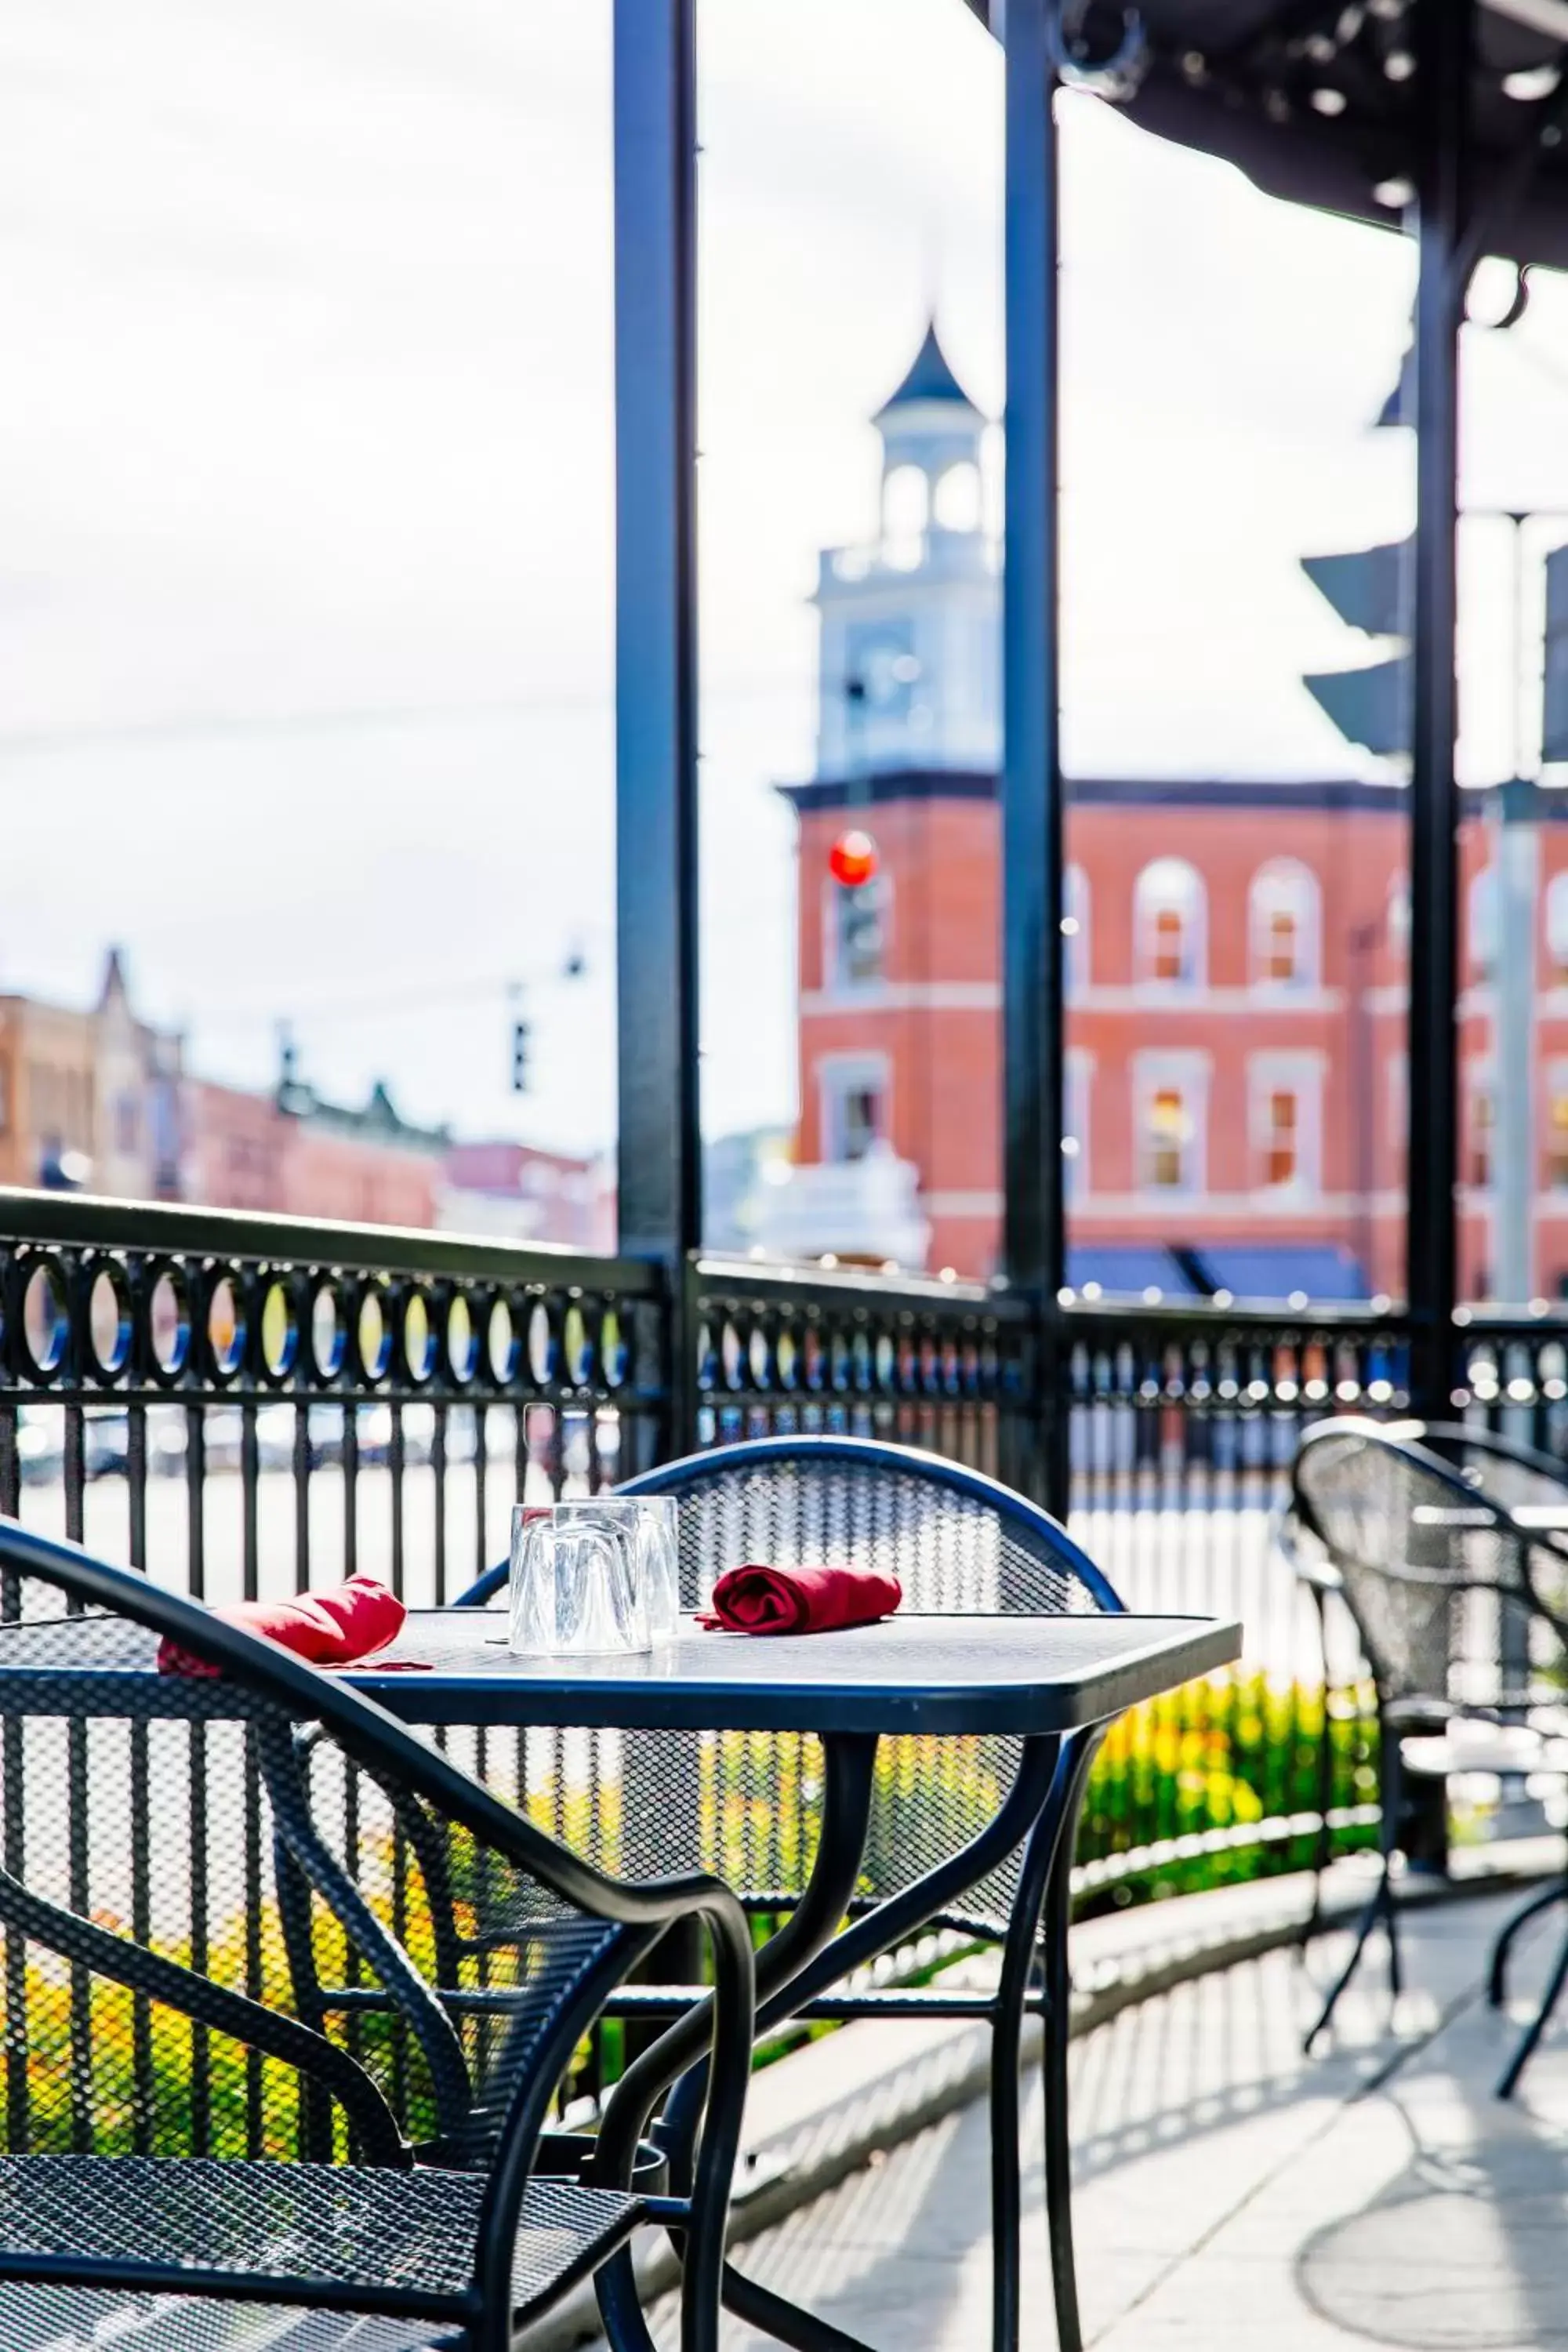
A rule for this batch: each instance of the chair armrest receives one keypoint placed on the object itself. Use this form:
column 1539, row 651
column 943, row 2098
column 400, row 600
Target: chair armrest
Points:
column 732, row 2011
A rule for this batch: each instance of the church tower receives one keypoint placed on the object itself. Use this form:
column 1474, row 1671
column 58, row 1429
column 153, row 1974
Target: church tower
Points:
column 896, row 1156
column 909, row 673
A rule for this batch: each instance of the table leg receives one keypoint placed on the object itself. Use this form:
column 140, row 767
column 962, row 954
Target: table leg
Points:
column 787, row 1979
column 1057, row 1920
column 679, row 2056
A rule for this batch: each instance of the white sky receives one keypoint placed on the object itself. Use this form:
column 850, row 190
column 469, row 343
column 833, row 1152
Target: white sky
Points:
column 305, row 523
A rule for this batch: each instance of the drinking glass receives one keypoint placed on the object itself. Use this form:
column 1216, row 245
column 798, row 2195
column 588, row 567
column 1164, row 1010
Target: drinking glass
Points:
column 593, row 1578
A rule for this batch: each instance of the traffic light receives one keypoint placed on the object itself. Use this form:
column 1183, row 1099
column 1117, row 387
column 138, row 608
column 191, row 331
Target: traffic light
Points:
column 1370, row 706
column 1554, row 662
column 519, row 1052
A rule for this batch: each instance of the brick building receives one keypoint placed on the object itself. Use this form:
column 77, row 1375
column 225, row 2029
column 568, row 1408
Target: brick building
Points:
column 1235, row 965
column 89, row 1096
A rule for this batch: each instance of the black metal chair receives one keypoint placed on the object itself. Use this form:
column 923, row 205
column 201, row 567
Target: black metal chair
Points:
column 184, row 2143
column 1457, row 1610
column 960, row 1543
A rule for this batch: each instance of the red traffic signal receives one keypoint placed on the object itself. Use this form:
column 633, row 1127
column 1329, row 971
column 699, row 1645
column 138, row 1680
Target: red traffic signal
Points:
column 852, row 859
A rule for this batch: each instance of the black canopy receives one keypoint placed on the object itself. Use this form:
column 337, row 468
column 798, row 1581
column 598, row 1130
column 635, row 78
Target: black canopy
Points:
column 1315, row 101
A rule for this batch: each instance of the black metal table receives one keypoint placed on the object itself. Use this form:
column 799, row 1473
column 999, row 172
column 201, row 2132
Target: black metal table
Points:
column 1037, row 1679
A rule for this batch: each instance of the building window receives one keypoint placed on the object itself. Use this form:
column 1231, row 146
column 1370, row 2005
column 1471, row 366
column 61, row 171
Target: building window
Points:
column 1075, row 928
column 127, row 1123
column 857, row 932
column 1481, row 922
column 1282, row 1138
column 1557, row 926
column 1557, row 1128
column 1286, row 1092
column 854, row 1105
column 956, row 501
column 1284, row 924
column 1169, row 1096
column 1168, row 903
column 1169, row 1133
column 1478, row 1158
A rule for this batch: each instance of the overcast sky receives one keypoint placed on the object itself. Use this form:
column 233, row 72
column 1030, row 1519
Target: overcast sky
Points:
column 305, row 493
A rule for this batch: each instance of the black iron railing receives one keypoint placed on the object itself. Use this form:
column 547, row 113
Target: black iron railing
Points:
column 249, row 1405
column 949, row 1366
column 245, row 1406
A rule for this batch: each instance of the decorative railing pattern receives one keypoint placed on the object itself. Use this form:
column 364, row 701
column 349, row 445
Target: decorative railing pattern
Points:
column 246, row 1405
column 949, row 1366
column 374, row 1399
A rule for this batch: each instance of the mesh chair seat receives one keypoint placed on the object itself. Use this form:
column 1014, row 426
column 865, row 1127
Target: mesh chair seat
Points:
column 358, row 2227
column 186, row 1858
column 51, row 2318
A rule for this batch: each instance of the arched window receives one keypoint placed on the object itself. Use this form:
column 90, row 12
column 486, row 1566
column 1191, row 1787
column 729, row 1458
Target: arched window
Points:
column 1169, row 908
column 1284, row 925
column 906, row 512
column 955, row 502
column 1481, row 922
column 1075, row 928
column 1557, row 926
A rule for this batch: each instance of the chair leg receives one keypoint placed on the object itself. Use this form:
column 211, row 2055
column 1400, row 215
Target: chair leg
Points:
column 1497, row 1973
column 1006, row 2184
column 1537, row 2026
column 1381, row 1903
column 1378, row 1905
column 1059, row 2147
column 1323, row 1844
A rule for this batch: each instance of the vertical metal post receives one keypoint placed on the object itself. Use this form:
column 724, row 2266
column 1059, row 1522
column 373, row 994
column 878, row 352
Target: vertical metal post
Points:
column 1443, row 40
column 1515, row 868
column 660, row 1134
column 1034, row 1243
column 660, row 1146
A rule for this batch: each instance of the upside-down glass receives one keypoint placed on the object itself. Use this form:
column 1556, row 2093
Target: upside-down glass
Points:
column 593, row 1578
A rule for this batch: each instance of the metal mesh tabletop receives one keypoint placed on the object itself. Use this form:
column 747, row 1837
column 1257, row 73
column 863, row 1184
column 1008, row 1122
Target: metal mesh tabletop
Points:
column 913, row 1673
column 910, row 1673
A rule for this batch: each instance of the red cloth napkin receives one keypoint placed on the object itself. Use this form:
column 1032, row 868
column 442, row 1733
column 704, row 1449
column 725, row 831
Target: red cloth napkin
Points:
column 755, row 1600
column 332, row 1628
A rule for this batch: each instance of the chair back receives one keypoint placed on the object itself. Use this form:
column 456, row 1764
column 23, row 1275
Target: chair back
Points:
column 1432, row 1569
column 960, row 1543
column 186, row 1859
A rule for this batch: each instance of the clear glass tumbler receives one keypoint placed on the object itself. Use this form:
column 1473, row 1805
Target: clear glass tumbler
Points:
column 593, row 1578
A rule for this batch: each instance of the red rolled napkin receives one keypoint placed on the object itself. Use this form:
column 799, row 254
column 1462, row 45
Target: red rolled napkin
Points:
column 756, row 1600
column 332, row 1628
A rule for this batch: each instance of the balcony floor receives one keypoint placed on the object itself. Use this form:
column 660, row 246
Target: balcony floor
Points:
column 1234, row 2194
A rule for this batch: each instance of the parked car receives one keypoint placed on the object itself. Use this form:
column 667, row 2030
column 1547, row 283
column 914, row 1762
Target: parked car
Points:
column 106, row 1442
column 40, row 1443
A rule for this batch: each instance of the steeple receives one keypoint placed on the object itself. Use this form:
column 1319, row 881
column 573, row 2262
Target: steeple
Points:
column 929, row 377
column 908, row 653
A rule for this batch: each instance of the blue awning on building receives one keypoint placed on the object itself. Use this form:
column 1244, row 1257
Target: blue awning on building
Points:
column 1319, row 1270
column 1126, row 1269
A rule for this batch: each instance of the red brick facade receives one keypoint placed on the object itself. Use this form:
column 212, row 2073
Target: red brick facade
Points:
column 1248, row 1107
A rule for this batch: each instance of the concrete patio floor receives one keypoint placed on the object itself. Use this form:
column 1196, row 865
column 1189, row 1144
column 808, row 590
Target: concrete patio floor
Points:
column 1232, row 2193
